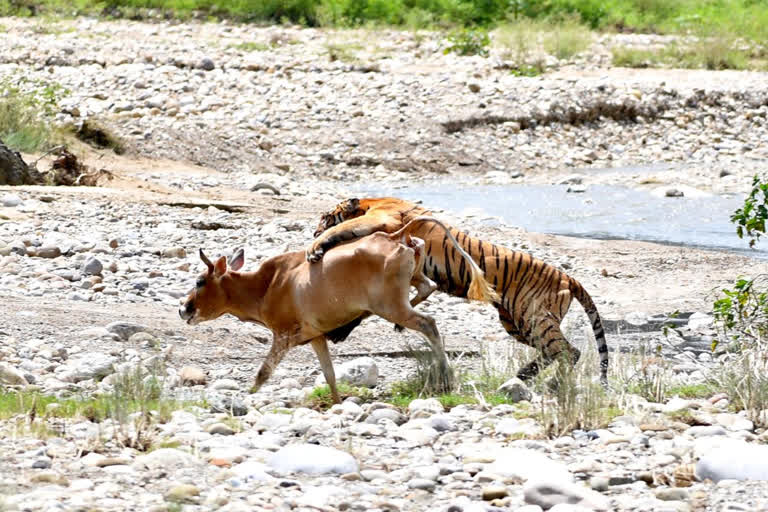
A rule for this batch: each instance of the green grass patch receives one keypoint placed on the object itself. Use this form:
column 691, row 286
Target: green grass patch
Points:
column 320, row 398
column 26, row 110
column 251, row 46
column 344, row 52
column 713, row 53
column 692, row 390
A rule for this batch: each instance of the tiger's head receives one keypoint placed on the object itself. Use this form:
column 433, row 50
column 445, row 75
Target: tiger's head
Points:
column 345, row 210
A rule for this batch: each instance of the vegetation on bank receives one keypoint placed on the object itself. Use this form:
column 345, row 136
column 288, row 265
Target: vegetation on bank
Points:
column 746, row 18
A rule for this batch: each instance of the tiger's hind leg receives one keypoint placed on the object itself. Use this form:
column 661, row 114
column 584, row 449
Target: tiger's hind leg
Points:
column 544, row 334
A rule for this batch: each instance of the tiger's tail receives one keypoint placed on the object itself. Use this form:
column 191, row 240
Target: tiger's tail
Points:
column 580, row 294
column 479, row 288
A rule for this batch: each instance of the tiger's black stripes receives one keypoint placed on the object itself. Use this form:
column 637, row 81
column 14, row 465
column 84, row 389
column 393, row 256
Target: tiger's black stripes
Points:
column 533, row 296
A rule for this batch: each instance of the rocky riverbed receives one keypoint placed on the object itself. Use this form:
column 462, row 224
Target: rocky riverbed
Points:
column 90, row 278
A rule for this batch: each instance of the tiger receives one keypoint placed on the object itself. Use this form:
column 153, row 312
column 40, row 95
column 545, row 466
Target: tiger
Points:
column 532, row 296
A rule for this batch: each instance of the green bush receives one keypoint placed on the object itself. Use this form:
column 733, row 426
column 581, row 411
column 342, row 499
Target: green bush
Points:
column 750, row 219
column 468, row 42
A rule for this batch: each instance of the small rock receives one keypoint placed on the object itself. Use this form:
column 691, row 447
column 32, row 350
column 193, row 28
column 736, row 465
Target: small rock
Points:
column 516, row 390
column 173, row 252
column 42, row 463
column 92, row 266
column 422, row 483
column 224, row 385
column 673, row 192
column 11, row 376
column 227, row 404
column 672, row 494
column 547, row 494
column 220, row 429
column 386, row 413
column 474, row 87
column 494, row 492
column 425, row 407
column 10, row 200
column 207, row 64
column 183, row 492
column 192, row 376
column 126, row 329
column 49, row 252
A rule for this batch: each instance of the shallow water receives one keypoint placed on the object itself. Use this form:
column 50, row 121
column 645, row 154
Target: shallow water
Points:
column 602, row 211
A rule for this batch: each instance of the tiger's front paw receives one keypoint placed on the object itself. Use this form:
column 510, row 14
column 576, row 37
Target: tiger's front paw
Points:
column 314, row 253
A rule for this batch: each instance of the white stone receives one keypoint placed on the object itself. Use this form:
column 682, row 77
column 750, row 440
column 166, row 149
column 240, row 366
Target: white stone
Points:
column 312, row 459
column 12, row 376
column 524, row 464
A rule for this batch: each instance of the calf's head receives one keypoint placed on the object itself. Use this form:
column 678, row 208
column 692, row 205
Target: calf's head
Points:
column 208, row 300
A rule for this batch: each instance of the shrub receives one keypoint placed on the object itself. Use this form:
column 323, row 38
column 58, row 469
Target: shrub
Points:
column 468, row 42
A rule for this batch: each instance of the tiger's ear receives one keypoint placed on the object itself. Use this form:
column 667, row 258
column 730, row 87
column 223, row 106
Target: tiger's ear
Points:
column 352, row 205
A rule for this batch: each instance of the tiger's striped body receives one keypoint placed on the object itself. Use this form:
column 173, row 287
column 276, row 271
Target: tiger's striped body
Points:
column 533, row 295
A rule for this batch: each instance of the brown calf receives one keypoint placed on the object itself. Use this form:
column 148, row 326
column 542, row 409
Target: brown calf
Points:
column 310, row 303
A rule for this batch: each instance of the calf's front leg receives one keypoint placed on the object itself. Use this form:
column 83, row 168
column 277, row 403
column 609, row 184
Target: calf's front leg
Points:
column 274, row 356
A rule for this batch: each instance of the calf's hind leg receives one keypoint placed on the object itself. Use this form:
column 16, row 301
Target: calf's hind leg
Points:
column 320, row 346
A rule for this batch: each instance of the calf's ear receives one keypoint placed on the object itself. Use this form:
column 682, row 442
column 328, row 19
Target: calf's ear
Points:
column 237, row 259
column 220, row 268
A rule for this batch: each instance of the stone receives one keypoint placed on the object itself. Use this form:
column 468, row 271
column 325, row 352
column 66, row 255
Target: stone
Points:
column 494, row 492
column 516, row 390
column 524, row 464
column 224, row 385
column 173, row 252
column 48, row 252
column 386, row 413
column 207, row 64
column 733, row 460
column 672, row 494
column 548, row 493
column 312, row 459
column 360, row 372
column 92, row 267
column 10, row 200
column 227, row 404
column 221, row 429
column 183, row 492
column 90, row 365
column 422, row 483
column 192, row 376
column 706, row 430
column 167, row 459
column 673, row 192
column 527, row 427
column 11, row 376
column 251, row 471
column 424, row 407
column 124, row 330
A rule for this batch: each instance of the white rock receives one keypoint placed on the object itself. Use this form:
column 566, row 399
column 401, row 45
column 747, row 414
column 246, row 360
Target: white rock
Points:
column 312, row 459
column 10, row 200
column 423, row 407
column 524, row 464
column 516, row 390
column 91, row 365
column 731, row 459
column 548, row 493
column 360, row 372
column 252, row 471
column 12, row 376
column 168, row 459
